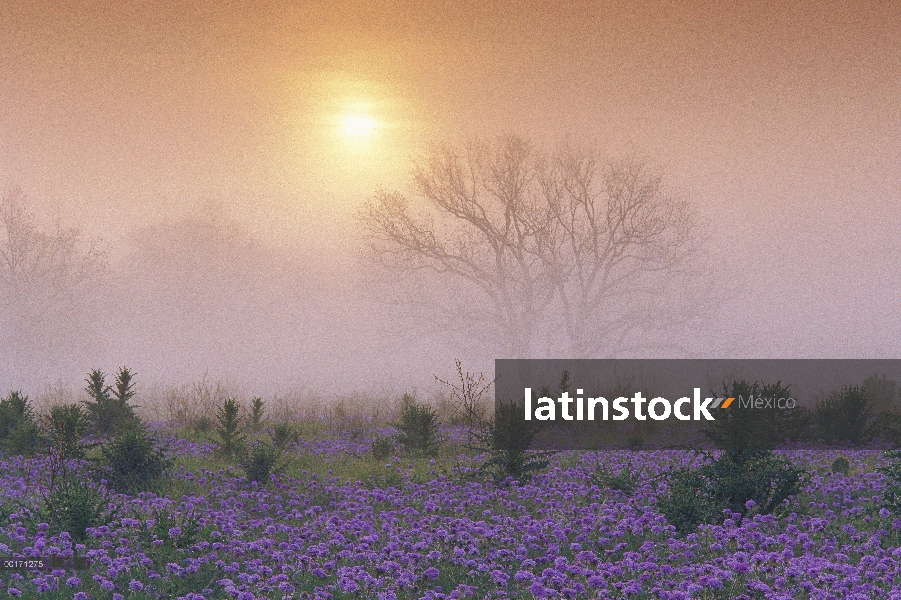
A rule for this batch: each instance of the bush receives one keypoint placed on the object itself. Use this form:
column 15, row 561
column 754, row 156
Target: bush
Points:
column 231, row 440
column 891, row 498
column 132, row 462
column 418, row 428
column 202, row 425
column 846, row 416
column 72, row 504
column 256, row 413
column 19, row 434
column 625, row 481
column 382, row 447
column 284, row 434
column 260, row 461
column 108, row 409
column 841, row 465
column 728, row 482
column 507, row 440
column 66, row 426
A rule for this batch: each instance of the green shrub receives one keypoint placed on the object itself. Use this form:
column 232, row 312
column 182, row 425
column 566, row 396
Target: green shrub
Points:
column 846, row 416
column 507, row 440
column 231, row 440
column 728, row 482
column 382, row 447
column 260, row 460
column 19, row 433
column 108, row 409
column 891, row 497
column 13, row 409
column 841, row 465
column 284, row 434
column 66, row 426
column 257, row 407
column 625, row 481
column 202, row 425
column 418, row 428
column 132, row 462
column 72, row 504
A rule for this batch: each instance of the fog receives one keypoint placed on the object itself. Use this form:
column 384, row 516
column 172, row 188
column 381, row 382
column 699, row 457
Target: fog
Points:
column 206, row 149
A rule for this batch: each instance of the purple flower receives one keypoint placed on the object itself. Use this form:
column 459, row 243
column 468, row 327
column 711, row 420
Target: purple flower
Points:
column 750, row 504
column 73, row 582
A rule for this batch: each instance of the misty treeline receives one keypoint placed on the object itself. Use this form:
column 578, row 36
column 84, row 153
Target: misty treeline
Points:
column 502, row 249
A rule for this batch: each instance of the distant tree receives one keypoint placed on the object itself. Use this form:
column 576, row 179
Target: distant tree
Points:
column 41, row 273
column 518, row 237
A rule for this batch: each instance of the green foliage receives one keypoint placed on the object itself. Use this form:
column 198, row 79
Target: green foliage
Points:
column 846, row 416
column 382, row 447
column 72, row 504
column 202, row 425
column 231, row 440
column 841, row 465
column 418, row 428
column 260, row 460
column 891, row 498
column 133, row 462
column 284, row 434
column 624, row 481
column 108, row 409
column 507, row 440
column 257, row 407
column 19, row 433
column 66, row 426
column 742, row 428
column 728, row 482
column 13, row 409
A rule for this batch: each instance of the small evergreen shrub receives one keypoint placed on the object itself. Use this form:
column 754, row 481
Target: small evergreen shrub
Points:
column 260, row 460
column 202, row 425
column 418, row 428
column 846, row 416
column 108, row 408
column 382, row 447
column 625, row 481
column 729, row 481
column 284, row 434
column 257, row 407
column 19, row 433
column 891, row 497
column 841, row 465
column 66, row 425
column 507, row 440
column 133, row 462
column 231, row 440
column 72, row 504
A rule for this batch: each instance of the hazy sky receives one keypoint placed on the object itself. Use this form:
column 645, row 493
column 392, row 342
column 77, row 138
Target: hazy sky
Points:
column 780, row 120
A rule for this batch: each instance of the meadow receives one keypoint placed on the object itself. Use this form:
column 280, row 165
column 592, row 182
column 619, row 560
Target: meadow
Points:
column 357, row 508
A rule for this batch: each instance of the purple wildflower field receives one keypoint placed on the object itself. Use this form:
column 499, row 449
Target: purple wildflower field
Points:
column 339, row 524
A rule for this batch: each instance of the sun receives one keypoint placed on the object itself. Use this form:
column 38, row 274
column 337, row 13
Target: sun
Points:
column 358, row 126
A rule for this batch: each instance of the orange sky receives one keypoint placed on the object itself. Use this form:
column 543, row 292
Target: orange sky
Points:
column 781, row 120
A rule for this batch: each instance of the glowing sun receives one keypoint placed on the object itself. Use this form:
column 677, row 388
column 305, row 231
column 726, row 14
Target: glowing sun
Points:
column 358, row 126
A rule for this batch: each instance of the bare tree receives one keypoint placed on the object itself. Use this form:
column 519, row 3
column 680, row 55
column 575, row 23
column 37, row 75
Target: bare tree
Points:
column 619, row 246
column 41, row 273
column 520, row 238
